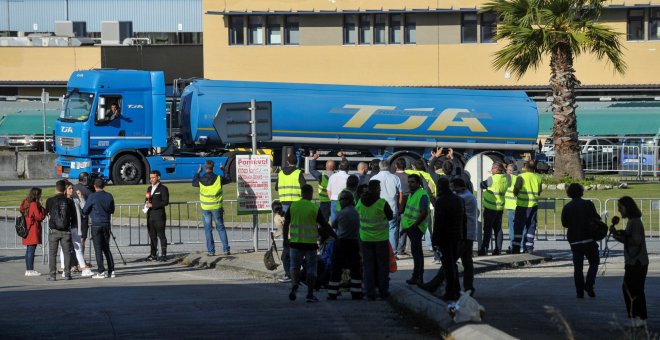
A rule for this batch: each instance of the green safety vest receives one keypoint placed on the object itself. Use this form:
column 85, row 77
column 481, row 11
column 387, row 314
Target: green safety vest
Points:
column 528, row 196
column 509, row 198
column 338, row 206
column 303, row 222
column 323, row 189
column 493, row 197
column 427, row 178
column 288, row 186
column 373, row 223
column 412, row 211
column 210, row 196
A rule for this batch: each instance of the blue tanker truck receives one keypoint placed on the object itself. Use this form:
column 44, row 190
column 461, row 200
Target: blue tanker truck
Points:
column 366, row 121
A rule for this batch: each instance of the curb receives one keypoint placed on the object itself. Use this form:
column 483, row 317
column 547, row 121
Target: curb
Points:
column 231, row 262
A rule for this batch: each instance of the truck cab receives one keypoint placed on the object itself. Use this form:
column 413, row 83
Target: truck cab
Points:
column 108, row 123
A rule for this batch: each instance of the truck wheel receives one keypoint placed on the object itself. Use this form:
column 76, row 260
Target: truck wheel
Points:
column 231, row 169
column 128, row 169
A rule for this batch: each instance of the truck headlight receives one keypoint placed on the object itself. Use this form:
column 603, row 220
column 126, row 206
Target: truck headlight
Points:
column 80, row 165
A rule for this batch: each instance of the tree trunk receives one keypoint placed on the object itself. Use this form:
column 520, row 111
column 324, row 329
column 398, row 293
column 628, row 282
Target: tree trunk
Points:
column 564, row 132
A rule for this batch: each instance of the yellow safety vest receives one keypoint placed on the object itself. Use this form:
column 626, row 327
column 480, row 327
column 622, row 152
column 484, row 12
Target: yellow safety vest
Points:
column 323, row 189
column 493, row 197
column 288, row 186
column 528, row 196
column 412, row 211
column 427, row 178
column 210, row 196
column 509, row 198
column 303, row 222
column 373, row 222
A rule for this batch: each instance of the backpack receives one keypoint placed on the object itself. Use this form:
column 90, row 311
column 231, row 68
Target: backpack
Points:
column 598, row 228
column 21, row 226
column 59, row 215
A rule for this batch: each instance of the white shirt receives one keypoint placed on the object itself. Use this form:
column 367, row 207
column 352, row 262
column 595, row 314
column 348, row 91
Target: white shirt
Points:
column 153, row 188
column 390, row 187
column 337, row 183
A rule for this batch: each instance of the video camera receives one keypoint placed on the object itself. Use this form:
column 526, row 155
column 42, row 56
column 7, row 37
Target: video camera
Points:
column 87, row 179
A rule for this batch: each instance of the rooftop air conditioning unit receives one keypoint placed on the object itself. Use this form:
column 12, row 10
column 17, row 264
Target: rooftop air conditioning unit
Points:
column 114, row 32
column 70, row 29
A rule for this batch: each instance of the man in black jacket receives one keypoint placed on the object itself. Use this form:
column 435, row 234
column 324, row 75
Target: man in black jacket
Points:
column 61, row 213
column 576, row 217
column 157, row 198
column 99, row 207
column 449, row 230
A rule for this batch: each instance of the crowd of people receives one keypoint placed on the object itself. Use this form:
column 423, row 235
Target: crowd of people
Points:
column 363, row 221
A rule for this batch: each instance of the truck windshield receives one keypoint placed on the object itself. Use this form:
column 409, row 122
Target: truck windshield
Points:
column 77, row 106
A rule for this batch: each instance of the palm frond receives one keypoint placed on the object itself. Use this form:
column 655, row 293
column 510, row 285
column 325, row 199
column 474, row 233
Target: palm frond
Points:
column 604, row 42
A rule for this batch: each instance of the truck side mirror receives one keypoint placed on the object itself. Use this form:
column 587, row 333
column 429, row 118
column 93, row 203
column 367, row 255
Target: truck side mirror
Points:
column 100, row 111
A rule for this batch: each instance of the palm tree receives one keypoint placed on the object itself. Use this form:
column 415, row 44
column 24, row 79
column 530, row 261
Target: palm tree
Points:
column 562, row 30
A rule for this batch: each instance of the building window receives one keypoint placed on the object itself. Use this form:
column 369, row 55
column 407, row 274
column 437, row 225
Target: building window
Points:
column 365, row 29
column 636, row 24
column 291, row 30
column 255, row 30
column 469, row 27
column 349, row 30
column 488, row 27
column 274, row 30
column 236, row 30
column 380, row 20
column 410, row 30
column 654, row 24
column 395, row 28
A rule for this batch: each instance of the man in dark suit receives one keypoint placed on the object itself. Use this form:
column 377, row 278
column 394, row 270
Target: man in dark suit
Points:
column 157, row 198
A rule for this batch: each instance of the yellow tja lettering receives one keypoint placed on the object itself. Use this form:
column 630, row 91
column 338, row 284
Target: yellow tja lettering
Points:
column 444, row 120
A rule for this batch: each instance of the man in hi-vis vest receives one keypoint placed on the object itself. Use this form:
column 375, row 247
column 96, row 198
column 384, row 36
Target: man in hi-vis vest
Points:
column 210, row 199
column 527, row 191
column 290, row 180
column 493, row 203
column 301, row 234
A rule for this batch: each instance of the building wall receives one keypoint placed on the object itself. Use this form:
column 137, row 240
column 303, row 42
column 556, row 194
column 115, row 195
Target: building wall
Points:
column 437, row 59
column 146, row 15
column 40, row 64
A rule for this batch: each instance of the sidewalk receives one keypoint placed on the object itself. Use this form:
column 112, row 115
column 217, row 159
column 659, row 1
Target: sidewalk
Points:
column 410, row 298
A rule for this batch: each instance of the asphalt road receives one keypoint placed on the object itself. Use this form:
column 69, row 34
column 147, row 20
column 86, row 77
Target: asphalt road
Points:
column 516, row 301
column 173, row 302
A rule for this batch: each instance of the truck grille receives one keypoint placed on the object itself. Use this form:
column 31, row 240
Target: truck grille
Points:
column 68, row 142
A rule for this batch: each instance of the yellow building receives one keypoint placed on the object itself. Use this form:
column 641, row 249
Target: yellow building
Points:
column 397, row 42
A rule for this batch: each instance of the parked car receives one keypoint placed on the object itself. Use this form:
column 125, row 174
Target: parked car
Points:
column 598, row 154
column 636, row 151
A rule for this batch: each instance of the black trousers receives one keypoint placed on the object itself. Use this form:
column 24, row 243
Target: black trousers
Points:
column 465, row 254
column 492, row 226
column 415, row 236
column 156, row 221
column 634, row 279
column 580, row 251
column 346, row 255
column 101, row 238
column 449, row 257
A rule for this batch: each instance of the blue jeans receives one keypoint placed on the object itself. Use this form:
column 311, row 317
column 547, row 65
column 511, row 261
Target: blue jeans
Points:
column 510, row 216
column 297, row 257
column 325, row 210
column 29, row 257
column 218, row 216
column 394, row 233
column 525, row 228
column 286, row 252
column 333, row 210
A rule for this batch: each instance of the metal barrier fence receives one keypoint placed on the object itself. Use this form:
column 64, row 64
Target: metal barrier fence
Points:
column 628, row 160
column 129, row 226
column 650, row 208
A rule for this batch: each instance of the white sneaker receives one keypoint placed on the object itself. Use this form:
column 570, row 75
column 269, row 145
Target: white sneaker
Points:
column 87, row 272
column 63, row 275
column 32, row 273
column 99, row 276
column 27, row 272
column 636, row 322
column 112, row 275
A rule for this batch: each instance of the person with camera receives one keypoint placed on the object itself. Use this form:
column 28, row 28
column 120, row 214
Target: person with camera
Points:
column 61, row 212
column 99, row 207
column 34, row 214
column 636, row 260
column 576, row 217
column 157, row 198
column 81, row 191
